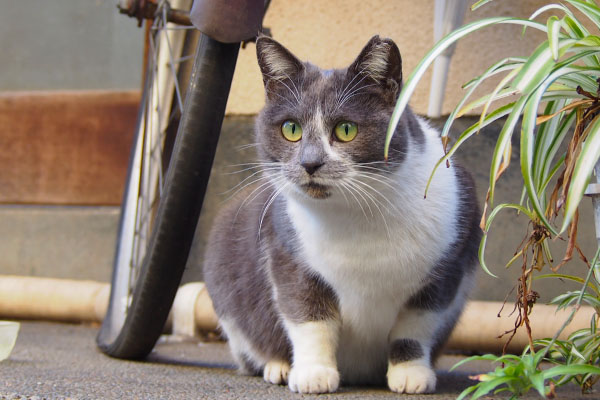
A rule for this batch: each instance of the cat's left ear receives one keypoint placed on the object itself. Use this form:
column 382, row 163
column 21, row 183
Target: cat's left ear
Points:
column 380, row 61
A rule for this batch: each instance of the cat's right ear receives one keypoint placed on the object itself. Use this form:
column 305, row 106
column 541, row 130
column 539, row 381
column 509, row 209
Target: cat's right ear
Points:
column 275, row 61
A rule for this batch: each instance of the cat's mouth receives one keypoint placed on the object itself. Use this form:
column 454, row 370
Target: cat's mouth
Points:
column 316, row 190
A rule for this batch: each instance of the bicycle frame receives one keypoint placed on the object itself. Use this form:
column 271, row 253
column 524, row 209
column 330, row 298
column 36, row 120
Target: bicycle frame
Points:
column 228, row 21
column 143, row 287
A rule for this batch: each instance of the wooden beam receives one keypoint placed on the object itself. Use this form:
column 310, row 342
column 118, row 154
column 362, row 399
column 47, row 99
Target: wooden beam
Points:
column 67, row 147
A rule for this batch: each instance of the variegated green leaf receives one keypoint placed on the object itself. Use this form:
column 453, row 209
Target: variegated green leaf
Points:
column 561, row 276
column 554, row 26
column 497, row 114
column 544, row 138
column 494, row 95
column 486, row 387
column 501, row 66
column 549, row 7
column 572, row 81
column 584, row 165
column 570, row 370
column 576, row 353
column 478, row 4
column 503, row 143
column 588, row 9
column 539, row 65
column 589, row 41
column 490, row 219
column 527, row 144
column 574, row 28
column 443, row 44
column 551, row 150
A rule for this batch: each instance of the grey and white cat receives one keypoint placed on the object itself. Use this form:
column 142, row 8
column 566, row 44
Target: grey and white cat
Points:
column 333, row 266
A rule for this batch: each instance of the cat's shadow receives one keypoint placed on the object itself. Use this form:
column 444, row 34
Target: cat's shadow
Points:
column 173, row 360
column 216, row 356
column 190, row 352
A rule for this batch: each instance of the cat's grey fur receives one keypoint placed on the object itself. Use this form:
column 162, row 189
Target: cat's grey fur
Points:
column 333, row 265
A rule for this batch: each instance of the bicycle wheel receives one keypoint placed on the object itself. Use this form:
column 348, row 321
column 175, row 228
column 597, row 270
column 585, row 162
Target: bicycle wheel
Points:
column 159, row 215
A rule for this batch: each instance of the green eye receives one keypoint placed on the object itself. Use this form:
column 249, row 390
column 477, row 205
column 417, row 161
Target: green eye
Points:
column 345, row 131
column 291, row 130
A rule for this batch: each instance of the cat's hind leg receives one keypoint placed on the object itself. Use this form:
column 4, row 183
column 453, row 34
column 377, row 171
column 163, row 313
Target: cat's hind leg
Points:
column 247, row 359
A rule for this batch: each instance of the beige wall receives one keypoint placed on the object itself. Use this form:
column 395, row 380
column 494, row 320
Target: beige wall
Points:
column 331, row 33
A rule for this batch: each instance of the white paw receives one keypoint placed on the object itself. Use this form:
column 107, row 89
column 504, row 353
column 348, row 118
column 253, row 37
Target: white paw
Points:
column 415, row 378
column 276, row 372
column 314, row 379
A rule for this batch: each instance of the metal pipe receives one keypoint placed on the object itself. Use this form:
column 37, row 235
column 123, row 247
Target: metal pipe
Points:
column 448, row 15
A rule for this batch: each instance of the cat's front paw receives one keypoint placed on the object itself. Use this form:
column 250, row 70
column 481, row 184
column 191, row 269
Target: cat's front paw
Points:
column 314, row 379
column 411, row 378
column 276, row 372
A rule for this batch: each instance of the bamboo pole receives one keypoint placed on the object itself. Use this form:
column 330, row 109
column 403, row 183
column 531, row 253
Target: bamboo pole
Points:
column 480, row 326
column 24, row 297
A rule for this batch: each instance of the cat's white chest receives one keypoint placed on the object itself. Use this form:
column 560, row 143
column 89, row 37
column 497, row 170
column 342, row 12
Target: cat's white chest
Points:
column 366, row 257
column 374, row 267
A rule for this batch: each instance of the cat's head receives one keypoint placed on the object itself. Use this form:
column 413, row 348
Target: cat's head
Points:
column 322, row 130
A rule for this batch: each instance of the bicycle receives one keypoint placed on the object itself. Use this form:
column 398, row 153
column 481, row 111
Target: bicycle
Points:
column 171, row 159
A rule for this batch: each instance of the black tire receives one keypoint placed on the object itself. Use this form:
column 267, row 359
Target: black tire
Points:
column 179, row 208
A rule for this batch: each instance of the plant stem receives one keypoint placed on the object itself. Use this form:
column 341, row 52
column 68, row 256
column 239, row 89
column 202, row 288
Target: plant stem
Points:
column 577, row 305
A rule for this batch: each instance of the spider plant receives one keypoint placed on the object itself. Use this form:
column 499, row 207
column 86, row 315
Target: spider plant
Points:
column 560, row 78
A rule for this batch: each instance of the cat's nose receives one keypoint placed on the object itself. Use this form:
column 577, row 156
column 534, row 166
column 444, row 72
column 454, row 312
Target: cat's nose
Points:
column 311, row 166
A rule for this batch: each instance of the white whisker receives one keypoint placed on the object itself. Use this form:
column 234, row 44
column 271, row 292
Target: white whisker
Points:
column 284, row 98
column 380, row 194
column 346, row 88
column 354, row 93
column 341, row 189
column 353, row 186
column 343, row 92
column 268, row 204
column 346, row 186
column 246, row 146
column 284, row 84
column 299, row 96
column 253, row 195
column 253, row 165
column 375, row 177
column 267, row 166
column 239, row 189
column 376, row 203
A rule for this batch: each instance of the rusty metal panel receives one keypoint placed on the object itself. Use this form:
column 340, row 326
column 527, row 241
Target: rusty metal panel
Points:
column 66, row 147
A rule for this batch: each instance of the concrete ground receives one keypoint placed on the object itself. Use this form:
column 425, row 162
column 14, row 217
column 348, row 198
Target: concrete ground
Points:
column 61, row 361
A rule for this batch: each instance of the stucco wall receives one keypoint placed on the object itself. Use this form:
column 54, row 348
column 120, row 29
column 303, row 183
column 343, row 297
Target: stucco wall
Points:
column 332, row 33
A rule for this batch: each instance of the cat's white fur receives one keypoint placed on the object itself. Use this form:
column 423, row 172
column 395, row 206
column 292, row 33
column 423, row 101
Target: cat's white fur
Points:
column 314, row 354
column 374, row 266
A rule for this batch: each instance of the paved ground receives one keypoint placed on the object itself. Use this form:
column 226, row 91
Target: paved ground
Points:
column 58, row 361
